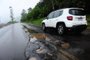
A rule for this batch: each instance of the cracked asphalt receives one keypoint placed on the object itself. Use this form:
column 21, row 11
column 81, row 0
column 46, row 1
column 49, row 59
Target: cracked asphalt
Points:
column 80, row 43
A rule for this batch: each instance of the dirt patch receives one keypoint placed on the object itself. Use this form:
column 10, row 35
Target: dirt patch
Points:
column 39, row 36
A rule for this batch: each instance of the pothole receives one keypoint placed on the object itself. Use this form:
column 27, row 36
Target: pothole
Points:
column 43, row 47
column 40, row 47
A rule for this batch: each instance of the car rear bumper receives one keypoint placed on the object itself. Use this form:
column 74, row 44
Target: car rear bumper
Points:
column 78, row 28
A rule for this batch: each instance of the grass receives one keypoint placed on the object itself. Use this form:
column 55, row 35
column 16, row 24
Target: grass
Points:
column 88, row 17
column 37, row 22
column 88, row 20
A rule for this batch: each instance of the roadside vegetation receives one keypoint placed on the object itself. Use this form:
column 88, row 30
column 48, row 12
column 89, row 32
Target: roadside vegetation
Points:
column 37, row 22
column 44, row 7
column 88, row 20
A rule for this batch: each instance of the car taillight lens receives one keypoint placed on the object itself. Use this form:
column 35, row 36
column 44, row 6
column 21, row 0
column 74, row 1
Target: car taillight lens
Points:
column 70, row 18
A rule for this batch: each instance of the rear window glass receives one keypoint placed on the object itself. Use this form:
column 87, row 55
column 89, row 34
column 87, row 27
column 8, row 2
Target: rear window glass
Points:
column 77, row 12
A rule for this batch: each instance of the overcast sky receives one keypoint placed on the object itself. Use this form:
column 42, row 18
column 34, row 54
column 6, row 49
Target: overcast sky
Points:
column 17, row 6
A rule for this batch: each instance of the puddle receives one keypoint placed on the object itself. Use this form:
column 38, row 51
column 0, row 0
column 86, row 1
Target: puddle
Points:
column 40, row 48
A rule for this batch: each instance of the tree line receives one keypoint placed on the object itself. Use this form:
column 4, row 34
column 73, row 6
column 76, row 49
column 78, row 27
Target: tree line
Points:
column 43, row 8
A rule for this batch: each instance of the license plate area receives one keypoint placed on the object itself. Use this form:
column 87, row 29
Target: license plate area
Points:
column 79, row 18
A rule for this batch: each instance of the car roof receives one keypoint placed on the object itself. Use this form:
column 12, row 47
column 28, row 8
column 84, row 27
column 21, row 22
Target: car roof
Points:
column 67, row 8
column 73, row 8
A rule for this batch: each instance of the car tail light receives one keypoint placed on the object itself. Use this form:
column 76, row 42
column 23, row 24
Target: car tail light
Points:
column 70, row 18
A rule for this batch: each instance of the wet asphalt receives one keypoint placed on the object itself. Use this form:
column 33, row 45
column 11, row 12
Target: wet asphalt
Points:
column 13, row 41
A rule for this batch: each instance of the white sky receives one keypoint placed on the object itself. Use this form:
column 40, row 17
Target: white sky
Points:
column 17, row 6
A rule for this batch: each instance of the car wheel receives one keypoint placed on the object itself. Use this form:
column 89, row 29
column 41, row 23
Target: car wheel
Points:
column 61, row 29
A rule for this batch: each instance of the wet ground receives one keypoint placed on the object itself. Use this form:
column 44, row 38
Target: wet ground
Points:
column 80, row 41
column 15, row 38
column 13, row 41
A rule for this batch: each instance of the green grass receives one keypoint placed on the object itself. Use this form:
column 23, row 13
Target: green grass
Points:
column 88, row 17
column 37, row 22
column 88, row 20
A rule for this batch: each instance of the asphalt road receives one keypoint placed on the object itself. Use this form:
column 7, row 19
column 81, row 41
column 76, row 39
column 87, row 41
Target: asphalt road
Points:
column 13, row 41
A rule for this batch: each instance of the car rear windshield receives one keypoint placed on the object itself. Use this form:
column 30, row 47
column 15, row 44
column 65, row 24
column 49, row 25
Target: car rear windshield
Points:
column 77, row 12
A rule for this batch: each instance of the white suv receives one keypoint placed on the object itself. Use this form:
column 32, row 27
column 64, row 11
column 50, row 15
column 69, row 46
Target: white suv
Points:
column 68, row 19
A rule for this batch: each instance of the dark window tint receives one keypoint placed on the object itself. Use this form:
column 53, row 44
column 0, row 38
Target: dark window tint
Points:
column 51, row 15
column 77, row 12
column 57, row 13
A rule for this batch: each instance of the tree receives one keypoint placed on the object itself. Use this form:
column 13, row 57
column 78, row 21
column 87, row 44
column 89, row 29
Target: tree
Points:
column 29, row 10
column 44, row 7
column 23, row 15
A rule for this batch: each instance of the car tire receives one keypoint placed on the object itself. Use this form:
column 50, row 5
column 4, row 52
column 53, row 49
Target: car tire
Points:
column 61, row 29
